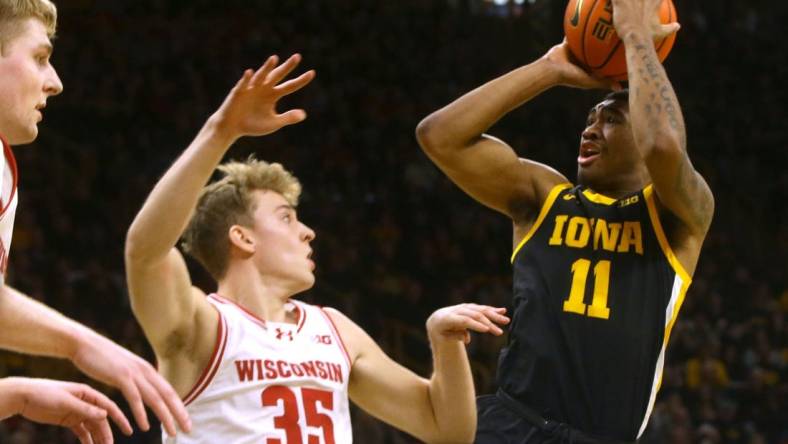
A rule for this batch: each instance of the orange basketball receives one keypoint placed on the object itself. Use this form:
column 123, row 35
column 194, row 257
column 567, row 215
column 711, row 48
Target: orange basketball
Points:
column 588, row 25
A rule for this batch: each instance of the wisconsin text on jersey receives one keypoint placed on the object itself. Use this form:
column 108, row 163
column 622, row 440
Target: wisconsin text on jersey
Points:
column 267, row 369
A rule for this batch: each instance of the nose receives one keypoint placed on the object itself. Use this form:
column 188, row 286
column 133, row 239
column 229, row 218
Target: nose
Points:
column 53, row 86
column 591, row 132
column 308, row 235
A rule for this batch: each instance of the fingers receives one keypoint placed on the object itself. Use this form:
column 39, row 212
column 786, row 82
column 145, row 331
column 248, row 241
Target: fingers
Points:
column 173, row 402
column 265, row 69
column 75, row 410
column 281, row 71
column 291, row 117
column 82, row 434
column 112, row 409
column 99, row 431
column 488, row 317
column 295, row 84
column 667, row 29
column 492, row 314
column 244, row 81
column 133, row 397
column 156, row 403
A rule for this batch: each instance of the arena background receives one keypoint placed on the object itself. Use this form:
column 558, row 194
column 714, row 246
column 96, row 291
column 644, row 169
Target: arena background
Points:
column 395, row 239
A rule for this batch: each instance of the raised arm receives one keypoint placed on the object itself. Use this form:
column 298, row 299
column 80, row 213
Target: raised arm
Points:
column 161, row 293
column 439, row 410
column 485, row 167
column 657, row 121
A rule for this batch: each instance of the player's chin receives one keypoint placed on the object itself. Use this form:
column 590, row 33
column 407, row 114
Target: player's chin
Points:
column 586, row 175
column 305, row 281
column 24, row 136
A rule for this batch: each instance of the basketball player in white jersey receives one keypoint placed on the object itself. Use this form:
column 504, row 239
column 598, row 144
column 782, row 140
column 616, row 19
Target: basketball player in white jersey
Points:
column 252, row 364
column 27, row 80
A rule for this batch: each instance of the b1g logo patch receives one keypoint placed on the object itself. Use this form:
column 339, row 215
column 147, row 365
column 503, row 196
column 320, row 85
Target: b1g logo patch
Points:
column 323, row 339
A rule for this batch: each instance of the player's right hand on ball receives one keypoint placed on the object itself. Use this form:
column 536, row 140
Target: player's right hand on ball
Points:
column 456, row 322
column 77, row 407
column 570, row 73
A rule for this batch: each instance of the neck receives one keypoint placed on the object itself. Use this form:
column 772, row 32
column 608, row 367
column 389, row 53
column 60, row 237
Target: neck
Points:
column 263, row 297
column 622, row 186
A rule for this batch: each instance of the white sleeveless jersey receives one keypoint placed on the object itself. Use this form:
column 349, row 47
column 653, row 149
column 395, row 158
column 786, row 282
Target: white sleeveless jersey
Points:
column 8, row 202
column 271, row 383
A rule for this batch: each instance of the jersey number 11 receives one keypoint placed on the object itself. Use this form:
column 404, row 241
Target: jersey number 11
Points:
column 575, row 303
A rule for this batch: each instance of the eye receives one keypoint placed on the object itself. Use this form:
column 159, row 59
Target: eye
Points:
column 611, row 119
column 287, row 218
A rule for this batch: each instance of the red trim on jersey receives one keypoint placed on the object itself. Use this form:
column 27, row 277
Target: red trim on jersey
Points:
column 218, row 298
column 335, row 330
column 213, row 365
column 9, row 156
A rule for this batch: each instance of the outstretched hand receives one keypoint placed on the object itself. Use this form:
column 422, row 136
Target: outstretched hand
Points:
column 77, row 407
column 641, row 16
column 141, row 385
column 250, row 107
column 454, row 323
column 570, row 72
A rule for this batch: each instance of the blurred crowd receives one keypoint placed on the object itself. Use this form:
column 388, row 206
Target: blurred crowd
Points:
column 395, row 239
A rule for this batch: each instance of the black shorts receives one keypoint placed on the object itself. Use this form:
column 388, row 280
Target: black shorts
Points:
column 502, row 422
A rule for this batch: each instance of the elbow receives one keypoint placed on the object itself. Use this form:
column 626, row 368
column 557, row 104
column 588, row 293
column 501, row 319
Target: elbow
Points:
column 133, row 251
column 430, row 135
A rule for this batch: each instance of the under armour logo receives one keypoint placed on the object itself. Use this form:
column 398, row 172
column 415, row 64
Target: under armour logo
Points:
column 280, row 333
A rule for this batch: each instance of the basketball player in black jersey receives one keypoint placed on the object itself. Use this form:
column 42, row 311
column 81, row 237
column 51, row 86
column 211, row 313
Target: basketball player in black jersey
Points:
column 600, row 269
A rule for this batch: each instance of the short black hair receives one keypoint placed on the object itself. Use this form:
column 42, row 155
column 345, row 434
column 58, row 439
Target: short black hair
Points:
column 616, row 96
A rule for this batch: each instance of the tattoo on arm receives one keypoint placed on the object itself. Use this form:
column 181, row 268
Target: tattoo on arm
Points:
column 656, row 84
column 693, row 190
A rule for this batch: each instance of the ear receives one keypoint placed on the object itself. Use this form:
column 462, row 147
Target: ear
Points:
column 240, row 238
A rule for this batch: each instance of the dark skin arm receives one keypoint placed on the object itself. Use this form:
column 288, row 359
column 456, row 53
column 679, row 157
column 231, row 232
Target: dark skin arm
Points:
column 659, row 132
column 485, row 167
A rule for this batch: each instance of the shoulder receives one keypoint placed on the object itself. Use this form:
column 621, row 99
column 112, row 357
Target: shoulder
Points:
column 525, row 206
column 353, row 336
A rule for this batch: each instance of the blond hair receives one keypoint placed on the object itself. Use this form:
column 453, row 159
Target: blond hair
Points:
column 14, row 12
column 229, row 202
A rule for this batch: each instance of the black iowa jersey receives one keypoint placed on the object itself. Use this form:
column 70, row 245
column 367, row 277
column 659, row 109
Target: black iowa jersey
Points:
column 596, row 291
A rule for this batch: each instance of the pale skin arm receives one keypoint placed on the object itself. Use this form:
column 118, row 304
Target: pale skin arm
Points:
column 75, row 406
column 163, row 299
column 657, row 121
column 96, row 356
column 485, row 167
column 441, row 409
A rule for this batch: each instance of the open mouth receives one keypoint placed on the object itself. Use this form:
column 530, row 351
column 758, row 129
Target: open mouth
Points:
column 589, row 152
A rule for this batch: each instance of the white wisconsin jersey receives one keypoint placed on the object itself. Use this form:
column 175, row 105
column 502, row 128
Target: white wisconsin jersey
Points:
column 8, row 202
column 271, row 383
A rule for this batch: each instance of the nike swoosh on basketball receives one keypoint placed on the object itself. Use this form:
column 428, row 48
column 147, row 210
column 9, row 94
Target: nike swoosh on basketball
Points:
column 576, row 18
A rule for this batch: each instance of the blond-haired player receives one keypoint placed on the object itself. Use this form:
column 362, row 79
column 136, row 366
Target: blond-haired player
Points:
column 27, row 80
column 253, row 364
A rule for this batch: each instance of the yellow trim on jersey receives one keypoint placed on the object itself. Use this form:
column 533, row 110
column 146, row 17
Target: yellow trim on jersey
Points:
column 548, row 203
column 648, row 193
column 598, row 198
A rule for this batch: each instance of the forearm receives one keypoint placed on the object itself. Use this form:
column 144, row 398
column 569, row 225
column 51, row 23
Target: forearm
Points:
column 463, row 121
column 452, row 393
column 166, row 212
column 53, row 334
column 657, row 122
